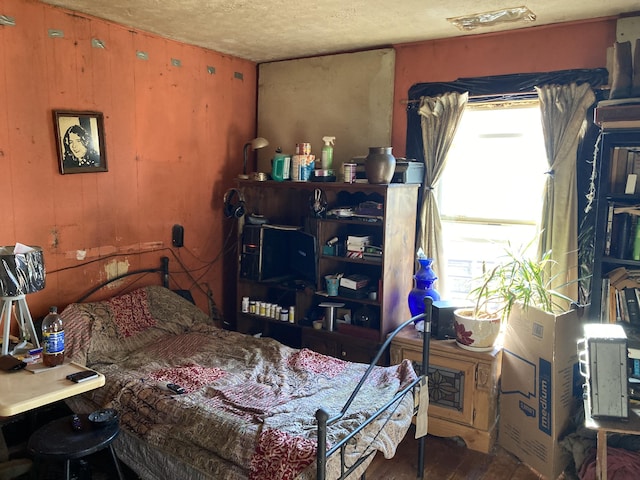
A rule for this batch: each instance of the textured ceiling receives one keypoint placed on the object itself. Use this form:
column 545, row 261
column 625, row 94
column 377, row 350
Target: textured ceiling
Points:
column 270, row 30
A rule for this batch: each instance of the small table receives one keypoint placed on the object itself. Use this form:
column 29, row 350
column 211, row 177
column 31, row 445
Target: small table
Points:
column 630, row 426
column 58, row 440
column 24, row 390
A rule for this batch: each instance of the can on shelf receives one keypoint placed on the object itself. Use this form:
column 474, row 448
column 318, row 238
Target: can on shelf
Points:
column 349, row 172
column 303, row 149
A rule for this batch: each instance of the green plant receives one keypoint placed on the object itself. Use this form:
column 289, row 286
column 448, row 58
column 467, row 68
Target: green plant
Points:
column 517, row 278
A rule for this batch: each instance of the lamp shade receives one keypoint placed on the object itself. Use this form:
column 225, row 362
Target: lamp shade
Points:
column 22, row 270
column 259, row 142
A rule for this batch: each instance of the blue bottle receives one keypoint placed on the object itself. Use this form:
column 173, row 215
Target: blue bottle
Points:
column 425, row 277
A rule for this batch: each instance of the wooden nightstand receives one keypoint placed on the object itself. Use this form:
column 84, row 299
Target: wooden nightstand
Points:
column 463, row 388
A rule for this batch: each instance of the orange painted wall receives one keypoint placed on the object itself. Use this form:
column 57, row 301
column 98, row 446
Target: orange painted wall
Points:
column 174, row 138
column 538, row 49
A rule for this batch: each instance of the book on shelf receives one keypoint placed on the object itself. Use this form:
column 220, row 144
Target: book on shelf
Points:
column 625, row 162
column 609, row 231
column 620, row 288
column 621, row 231
column 355, row 281
column 635, row 367
column 372, row 253
column 617, row 115
column 358, row 239
column 618, row 177
column 633, row 307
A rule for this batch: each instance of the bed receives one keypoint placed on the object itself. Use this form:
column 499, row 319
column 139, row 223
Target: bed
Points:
column 253, row 408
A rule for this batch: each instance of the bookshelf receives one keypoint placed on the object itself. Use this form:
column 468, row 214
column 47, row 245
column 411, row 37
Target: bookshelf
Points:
column 616, row 269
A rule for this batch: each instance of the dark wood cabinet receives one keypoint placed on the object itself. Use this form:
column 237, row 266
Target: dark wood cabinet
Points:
column 391, row 275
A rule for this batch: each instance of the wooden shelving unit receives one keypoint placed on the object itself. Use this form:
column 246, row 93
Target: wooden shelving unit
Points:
column 288, row 203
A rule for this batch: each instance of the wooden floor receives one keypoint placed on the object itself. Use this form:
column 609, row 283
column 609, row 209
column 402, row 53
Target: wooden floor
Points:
column 448, row 459
column 445, row 459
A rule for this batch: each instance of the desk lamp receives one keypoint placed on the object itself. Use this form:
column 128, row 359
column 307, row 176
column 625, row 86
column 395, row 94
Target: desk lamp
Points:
column 254, row 144
column 21, row 272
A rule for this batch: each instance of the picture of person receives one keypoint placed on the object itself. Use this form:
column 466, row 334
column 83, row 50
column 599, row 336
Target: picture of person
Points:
column 78, row 148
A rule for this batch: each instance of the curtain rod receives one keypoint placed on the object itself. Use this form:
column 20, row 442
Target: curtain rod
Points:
column 406, row 101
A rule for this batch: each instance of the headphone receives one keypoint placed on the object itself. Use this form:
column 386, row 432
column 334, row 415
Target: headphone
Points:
column 231, row 209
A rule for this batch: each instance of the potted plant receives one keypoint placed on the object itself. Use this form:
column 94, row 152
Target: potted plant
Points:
column 517, row 278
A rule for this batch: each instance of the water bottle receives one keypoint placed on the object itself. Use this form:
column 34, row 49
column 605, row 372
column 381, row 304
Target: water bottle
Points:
column 52, row 339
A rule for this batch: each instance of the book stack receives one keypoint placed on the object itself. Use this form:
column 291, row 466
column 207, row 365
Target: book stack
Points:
column 372, row 253
column 621, row 297
column 356, row 245
column 354, row 285
column 622, row 231
column 625, row 168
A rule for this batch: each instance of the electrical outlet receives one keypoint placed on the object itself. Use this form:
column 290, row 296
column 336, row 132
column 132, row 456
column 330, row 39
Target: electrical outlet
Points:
column 177, row 236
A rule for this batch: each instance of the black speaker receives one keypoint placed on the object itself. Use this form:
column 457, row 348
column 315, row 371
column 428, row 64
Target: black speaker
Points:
column 234, row 204
column 442, row 320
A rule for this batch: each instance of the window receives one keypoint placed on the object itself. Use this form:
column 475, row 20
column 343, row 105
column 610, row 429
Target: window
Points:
column 490, row 193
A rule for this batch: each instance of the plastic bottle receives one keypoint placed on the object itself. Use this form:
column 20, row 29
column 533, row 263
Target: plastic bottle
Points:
column 280, row 165
column 327, row 153
column 52, row 339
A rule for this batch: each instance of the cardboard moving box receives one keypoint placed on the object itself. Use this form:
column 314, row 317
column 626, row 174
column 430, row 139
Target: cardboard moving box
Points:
column 541, row 386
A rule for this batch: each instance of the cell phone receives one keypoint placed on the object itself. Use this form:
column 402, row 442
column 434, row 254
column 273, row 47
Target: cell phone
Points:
column 82, row 376
column 171, row 387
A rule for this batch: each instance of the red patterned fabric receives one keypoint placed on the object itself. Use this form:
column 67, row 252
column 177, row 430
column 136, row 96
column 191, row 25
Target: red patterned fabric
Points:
column 190, row 377
column 280, row 455
column 315, row 362
column 131, row 313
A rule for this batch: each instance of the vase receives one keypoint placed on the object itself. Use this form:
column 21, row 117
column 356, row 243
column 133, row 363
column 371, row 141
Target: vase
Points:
column 424, row 280
column 380, row 165
column 477, row 334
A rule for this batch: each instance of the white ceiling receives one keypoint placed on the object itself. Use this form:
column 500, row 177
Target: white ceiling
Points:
column 269, row 30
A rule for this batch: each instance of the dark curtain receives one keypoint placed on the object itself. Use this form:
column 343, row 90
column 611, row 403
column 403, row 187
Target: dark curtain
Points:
column 496, row 87
column 518, row 87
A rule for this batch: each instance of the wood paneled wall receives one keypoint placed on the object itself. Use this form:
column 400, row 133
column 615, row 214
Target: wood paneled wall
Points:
column 174, row 136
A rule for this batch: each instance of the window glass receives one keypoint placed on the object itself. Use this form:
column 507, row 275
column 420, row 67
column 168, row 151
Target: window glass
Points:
column 490, row 193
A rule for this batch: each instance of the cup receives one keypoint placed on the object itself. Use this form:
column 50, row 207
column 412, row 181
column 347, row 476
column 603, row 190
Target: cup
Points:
column 332, row 285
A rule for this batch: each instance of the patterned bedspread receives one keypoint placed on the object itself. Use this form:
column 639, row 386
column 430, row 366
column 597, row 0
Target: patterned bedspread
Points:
column 250, row 403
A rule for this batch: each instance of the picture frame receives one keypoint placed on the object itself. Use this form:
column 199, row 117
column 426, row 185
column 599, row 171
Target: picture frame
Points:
column 80, row 141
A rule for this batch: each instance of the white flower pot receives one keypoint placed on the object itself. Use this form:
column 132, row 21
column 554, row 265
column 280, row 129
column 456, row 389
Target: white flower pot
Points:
column 475, row 334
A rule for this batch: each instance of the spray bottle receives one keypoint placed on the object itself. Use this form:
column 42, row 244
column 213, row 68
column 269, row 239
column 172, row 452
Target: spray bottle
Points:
column 327, row 152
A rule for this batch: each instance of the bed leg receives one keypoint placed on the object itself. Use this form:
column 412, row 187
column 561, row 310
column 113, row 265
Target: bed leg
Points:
column 421, row 458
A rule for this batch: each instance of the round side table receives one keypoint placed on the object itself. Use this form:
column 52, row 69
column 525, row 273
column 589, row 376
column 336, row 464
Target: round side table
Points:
column 58, row 441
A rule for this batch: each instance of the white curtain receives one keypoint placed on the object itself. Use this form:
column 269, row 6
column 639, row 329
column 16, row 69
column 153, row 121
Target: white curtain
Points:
column 439, row 118
column 563, row 110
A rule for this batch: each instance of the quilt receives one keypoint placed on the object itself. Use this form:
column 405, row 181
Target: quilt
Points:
column 249, row 405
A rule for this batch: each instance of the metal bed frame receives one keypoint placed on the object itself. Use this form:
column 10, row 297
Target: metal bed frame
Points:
column 323, row 419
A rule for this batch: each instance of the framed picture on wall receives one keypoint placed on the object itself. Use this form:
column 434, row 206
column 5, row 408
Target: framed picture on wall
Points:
column 80, row 141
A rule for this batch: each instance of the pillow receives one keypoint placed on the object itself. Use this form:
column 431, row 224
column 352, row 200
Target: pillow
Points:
column 131, row 313
column 127, row 322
